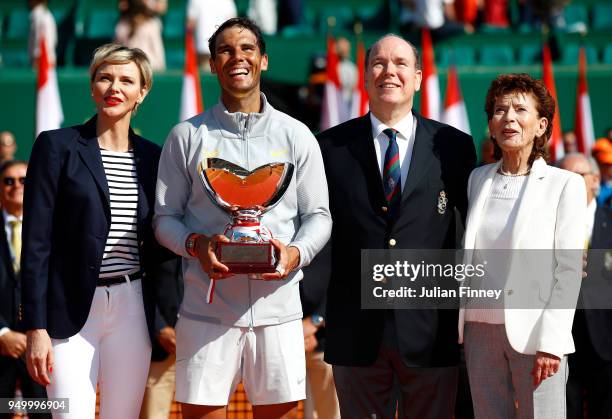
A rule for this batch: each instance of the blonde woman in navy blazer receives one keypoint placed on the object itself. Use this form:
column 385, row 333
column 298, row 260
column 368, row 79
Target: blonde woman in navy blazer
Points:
column 86, row 299
column 516, row 351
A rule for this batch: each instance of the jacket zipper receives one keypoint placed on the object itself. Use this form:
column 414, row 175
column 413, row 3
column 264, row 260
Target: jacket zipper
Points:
column 245, row 132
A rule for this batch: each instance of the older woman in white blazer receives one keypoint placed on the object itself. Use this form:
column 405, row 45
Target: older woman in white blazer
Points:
column 516, row 348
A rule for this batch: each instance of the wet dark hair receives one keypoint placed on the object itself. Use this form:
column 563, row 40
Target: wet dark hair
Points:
column 545, row 105
column 241, row 22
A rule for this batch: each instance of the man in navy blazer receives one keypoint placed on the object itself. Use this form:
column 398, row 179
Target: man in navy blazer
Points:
column 12, row 334
column 590, row 367
column 371, row 348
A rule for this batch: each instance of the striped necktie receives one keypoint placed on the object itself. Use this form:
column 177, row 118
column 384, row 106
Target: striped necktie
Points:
column 392, row 181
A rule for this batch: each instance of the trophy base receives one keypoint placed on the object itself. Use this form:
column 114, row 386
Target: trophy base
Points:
column 247, row 258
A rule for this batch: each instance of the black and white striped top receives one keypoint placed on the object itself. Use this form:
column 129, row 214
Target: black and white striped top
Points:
column 121, row 250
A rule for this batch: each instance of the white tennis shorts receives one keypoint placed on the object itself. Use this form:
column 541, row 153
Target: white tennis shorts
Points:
column 212, row 359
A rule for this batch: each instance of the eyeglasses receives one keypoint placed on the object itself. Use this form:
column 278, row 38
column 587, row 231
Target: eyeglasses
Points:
column 10, row 181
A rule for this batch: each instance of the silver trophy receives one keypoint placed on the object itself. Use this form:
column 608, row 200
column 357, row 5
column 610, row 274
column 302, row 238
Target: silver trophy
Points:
column 246, row 196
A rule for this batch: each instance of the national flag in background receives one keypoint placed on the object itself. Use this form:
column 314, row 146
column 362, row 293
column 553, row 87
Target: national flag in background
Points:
column 583, row 126
column 555, row 145
column 49, row 113
column 333, row 103
column 191, row 95
column 455, row 113
column 430, row 86
column 360, row 96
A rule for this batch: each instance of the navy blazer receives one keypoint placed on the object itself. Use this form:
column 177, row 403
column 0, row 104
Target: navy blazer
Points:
column 10, row 287
column 168, row 285
column 66, row 223
column 442, row 159
column 592, row 326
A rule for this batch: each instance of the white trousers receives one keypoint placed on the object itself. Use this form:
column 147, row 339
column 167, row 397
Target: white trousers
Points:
column 112, row 349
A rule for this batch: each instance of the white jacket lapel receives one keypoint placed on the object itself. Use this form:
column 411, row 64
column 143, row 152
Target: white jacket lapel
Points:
column 531, row 197
column 478, row 194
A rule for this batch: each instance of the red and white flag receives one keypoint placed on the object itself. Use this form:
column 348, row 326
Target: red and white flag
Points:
column 556, row 139
column 455, row 113
column 191, row 95
column 333, row 103
column 583, row 126
column 49, row 113
column 430, row 86
column 359, row 105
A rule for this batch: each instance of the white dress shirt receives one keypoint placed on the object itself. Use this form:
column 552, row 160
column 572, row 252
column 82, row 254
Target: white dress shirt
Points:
column 406, row 129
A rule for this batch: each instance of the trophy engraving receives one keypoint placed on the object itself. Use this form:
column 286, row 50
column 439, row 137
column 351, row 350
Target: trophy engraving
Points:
column 246, row 196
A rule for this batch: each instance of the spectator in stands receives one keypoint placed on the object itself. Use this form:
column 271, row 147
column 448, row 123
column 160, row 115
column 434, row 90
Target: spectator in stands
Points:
column 204, row 20
column 289, row 13
column 252, row 330
column 140, row 27
column 42, row 26
column 88, row 245
column 570, row 144
column 537, row 12
column 590, row 367
column 602, row 151
column 466, row 11
column 12, row 335
column 8, row 146
column 264, row 13
column 496, row 13
column 159, row 392
column 436, row 15
column 522, row 203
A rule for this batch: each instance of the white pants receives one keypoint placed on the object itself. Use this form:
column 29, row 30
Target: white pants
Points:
column 112, row 349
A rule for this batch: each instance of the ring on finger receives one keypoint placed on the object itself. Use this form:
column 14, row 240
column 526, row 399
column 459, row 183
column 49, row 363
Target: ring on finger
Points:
column 280, row 269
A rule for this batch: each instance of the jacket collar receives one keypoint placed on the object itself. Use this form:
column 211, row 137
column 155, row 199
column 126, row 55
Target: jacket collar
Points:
column 421, row 155
column 362, row 148
column 530, row 198
column 240, row 124
column 90, row 152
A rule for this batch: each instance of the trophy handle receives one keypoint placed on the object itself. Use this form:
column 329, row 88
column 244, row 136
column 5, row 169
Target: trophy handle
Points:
column 282, row 186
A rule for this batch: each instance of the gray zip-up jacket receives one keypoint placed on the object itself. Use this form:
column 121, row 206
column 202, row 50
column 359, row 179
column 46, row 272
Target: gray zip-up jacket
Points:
column 182, row 206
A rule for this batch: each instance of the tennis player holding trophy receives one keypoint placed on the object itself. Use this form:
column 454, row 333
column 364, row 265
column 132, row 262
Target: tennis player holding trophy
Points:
column 241, row 193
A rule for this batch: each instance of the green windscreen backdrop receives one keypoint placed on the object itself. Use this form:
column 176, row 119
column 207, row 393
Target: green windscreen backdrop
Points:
column 160, row 110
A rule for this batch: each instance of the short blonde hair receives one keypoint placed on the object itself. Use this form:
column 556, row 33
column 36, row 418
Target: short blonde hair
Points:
column 119, row 54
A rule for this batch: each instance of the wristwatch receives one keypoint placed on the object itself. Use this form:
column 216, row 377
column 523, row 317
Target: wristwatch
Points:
column 317, row 320
column 191, row 244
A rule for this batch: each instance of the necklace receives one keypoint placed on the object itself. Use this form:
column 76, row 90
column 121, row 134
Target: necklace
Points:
column 504, row 173
column 507, row 176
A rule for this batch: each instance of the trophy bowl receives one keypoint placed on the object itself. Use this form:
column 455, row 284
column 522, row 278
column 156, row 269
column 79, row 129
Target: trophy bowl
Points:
column 246, row 195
